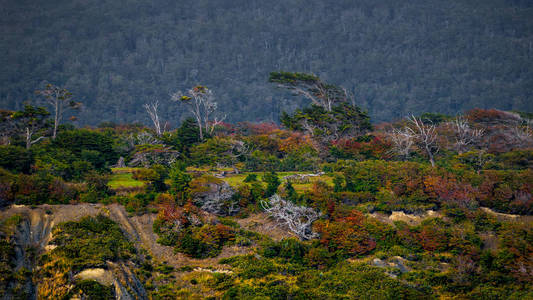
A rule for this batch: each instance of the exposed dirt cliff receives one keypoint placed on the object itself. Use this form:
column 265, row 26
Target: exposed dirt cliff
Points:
column 32, row 236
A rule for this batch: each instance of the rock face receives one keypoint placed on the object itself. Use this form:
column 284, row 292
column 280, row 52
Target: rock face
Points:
column 216, row 198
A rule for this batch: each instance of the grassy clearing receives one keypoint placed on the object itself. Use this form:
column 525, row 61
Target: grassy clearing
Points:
column 122, row 178
column 235, row 180
column 123, row 170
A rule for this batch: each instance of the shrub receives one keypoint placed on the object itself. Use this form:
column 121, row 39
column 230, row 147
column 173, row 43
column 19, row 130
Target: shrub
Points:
column 273, row 183
column 346, row 234
column 290, row 249
column 250, row 177
column 179, row 182
column 205, row 241
column 15, row 158
column 92, row 290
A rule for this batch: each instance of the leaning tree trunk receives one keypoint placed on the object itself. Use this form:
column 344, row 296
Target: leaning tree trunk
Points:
column 431, row 158
column 56, row 119
column 28, row 138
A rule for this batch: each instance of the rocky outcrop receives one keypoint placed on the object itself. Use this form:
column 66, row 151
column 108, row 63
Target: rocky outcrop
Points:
column 127, row 286
column 32, row 235
column 411, row 219
column 393, row 263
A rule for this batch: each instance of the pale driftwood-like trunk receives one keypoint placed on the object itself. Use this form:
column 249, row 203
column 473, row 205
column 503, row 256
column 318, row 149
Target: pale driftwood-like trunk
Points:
column 201, row 104
column 298, row 219
column 29, row 135
column 57, row 97
column 402, row 141
column 425, row 136
column 56, row 117
column 151, row 109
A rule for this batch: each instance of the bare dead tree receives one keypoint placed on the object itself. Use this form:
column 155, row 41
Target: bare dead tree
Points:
column 425, row 136
column 31, row 121
column 151, row 109
column 213, row 124
column 298, row 219
column 481, row 159
column 142, row 138
column 217, row 198
column 402, row 141
column 60, row 100
column 350, row 98
column 464, row 134
column 201, row 103
column 309, row 128
column 240, row 148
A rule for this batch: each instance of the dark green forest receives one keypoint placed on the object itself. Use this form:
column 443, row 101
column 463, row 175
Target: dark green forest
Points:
column 396, row 57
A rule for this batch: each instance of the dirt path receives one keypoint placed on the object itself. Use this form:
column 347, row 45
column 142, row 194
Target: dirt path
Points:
column 508, row 217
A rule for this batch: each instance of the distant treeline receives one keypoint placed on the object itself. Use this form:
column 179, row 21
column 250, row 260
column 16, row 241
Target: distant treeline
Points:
column 395, row 56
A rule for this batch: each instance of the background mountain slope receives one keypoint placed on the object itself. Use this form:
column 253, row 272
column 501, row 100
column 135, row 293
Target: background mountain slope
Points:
column 396, row 56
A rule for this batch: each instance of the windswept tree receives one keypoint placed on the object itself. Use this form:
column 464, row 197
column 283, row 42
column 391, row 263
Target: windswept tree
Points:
column 311, row 87
column 60, row 99
column 330, row 117
column 202, row 105
column 343, row 121
column 31, row 121
column 425, row 136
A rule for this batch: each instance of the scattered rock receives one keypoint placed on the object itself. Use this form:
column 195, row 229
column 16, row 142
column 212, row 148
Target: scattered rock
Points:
column 379, row 263
column 399, row 262
column 396, row 262
column 100, row 275
column 411, row 219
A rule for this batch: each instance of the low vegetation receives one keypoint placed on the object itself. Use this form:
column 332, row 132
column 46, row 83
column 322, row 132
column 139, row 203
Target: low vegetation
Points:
column 329, row 180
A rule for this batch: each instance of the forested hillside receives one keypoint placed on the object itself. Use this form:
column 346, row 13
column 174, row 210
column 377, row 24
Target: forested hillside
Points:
column 395, row 56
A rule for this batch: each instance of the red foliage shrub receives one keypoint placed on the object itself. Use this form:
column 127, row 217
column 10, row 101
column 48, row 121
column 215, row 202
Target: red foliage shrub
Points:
column 432, row 239
column 377, row 147
column 449, row 190
column 258, row 128
column 346, row 234
column 516, row 240
column 490, row 116
column 509, row 191
column 294, row 142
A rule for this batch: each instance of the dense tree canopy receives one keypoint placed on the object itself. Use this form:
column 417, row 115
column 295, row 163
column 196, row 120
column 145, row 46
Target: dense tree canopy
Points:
column 396, row 57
